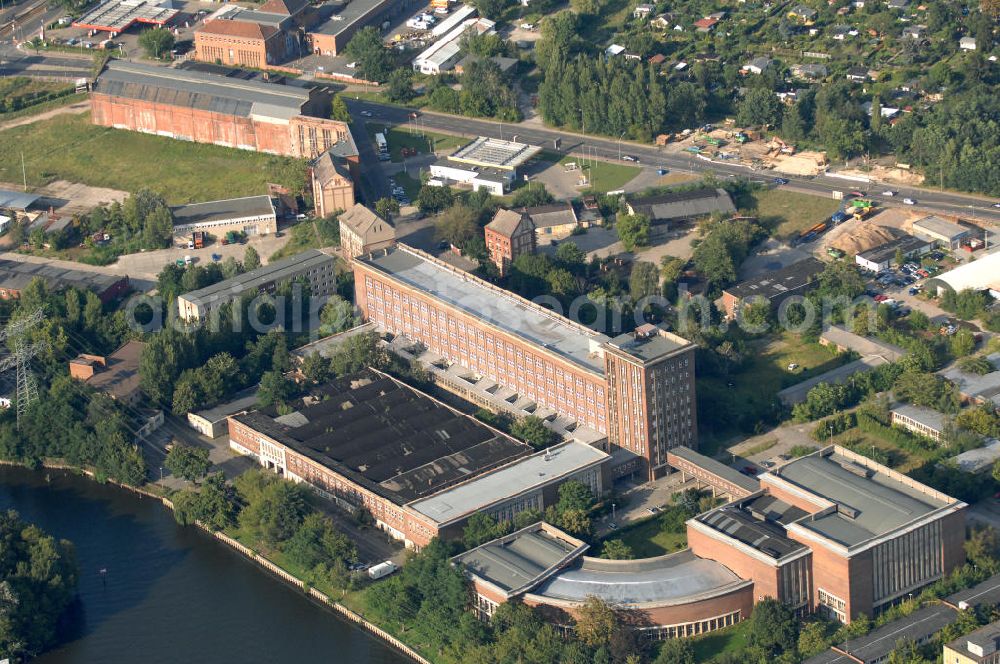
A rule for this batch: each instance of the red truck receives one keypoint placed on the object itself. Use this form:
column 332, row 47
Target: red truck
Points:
column 198, row 237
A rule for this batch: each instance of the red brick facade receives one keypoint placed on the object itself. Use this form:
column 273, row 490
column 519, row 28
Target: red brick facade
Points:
column 300, row 137
column 544, row 376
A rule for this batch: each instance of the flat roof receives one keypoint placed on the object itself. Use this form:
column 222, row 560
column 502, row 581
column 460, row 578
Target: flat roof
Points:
column 926, row 416
column 16, row 200
column 870, row 500
column 272, row 273
column 841, row 336
column 119, row 15
column 120, row 377
column 522, row 559
column 916, row 627
column 979, row 459
column 493, row 152
column 387, row 437
column 985, row 593
column 886, row 252
column 349, row 14
column 244, row 400
column 757, row 522
column 514, row 479
column 648, row 345
column 774, row 284
column 495, row 306
column 717, row 468
column 232, row 208
column 15, row 275
column 678, row 578
column 974, row 386
column 939, row 227
column 201, row 90
column 986, row 638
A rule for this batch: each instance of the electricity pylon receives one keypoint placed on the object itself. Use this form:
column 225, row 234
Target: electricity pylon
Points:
column 20, row 358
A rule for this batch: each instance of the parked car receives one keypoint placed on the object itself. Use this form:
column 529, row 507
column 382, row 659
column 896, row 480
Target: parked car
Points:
column 889, row 193
column 613, row 526
column 996, row 205
column 780, row 181
column 858, row 194
column 367, row 114
column 188, row 260
column 913, row 291
column 216, row 257
column 881, row 298
column 909, row 201
column 793, row 366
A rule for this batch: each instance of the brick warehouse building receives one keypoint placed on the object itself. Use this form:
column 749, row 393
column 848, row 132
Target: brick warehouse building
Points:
column 208, row 108
column 837, row 533
column 637, row 389
column 418, row 466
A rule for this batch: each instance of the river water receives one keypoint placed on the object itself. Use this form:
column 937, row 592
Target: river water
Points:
column 172, row 594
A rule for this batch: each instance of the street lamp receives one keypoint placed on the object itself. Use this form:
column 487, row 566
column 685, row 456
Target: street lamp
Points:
column 613, row 511
column 620, row 144
column 500, row 122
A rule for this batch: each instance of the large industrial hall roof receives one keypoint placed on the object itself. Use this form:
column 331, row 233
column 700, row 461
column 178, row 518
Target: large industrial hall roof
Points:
column 199, row 90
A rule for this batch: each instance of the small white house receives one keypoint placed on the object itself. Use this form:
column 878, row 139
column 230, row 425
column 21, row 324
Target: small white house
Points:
column 757, row 65
column 613, row 50
column 967, row 43
column 642, row 11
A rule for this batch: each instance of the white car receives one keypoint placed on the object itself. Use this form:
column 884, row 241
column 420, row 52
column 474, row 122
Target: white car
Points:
column 528, row 26
column 889, row 193
column 793, row 366
column 909, row 201
column 367, row 114
column 351, row 65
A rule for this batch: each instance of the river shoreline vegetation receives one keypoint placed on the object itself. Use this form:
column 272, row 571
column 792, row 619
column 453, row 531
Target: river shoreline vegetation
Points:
column 38, row 581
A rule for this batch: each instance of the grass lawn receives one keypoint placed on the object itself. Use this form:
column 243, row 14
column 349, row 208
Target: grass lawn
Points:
column 787, row 213
column 303, row 236
column 763, row 374
column 422, row 142
column 730, row 640
column 647, row 539
column 604, row 175
column 68, row 147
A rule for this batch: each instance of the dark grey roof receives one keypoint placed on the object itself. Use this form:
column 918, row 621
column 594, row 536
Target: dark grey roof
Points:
column 522, row 559
column 649, row 343
column 917, row 627
column 684, row 205
column 557, row 214
column 757, row 522
column 886, row 252
column 388, row 437
column 16, row 200
column 273, row 273
column 775, row 284
column 351, row 13
column 717, row 468
column 985, row 593
column 195, row 89
column 870, row 501
column 232, row 208
column 15, row 275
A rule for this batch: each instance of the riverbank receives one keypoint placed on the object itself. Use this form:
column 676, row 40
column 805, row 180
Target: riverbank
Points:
column 275, row 570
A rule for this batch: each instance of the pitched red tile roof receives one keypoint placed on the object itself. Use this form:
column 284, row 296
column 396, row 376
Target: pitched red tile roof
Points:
column 285, row 7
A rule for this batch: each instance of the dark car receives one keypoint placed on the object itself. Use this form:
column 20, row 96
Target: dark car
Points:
column 780, row 181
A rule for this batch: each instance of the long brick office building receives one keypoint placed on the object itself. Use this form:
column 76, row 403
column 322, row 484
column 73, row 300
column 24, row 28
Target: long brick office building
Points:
column 209, row 108
column 636, row 389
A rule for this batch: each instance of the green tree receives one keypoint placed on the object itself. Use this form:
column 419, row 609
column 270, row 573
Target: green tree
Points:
column 644, row 281
column 337, row 314
column 975, row 364
column 38, row 579
column 812, row 638
column 759, row 107
column 676, row 651
column 533, row 431
column 251, row 259
column 431, row 199
column 375, row 61
column 157, row 42
column 482, row 527
column 491, row 9
column 188, row 462
column 215, row 504
column 633, row 230
column 962, row 343
column 616, row 550
column 274, row 389
column 456, row 225
column 338, row 110
column 387, row 208
column 316, row 368
column 399, row 86
column 596, row 622
column 773, row 627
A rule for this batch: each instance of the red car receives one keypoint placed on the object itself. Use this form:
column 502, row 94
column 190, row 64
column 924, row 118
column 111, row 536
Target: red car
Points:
column 881, row 298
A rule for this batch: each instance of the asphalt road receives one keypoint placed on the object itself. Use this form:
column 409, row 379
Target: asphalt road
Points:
column 651, row 157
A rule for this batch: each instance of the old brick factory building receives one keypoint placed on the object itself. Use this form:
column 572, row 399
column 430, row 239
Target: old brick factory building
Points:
column 418, row 466
column 209, row 108
column 637, row 389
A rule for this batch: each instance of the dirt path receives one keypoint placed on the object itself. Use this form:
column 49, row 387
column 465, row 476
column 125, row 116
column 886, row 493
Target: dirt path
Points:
column 78, row 107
